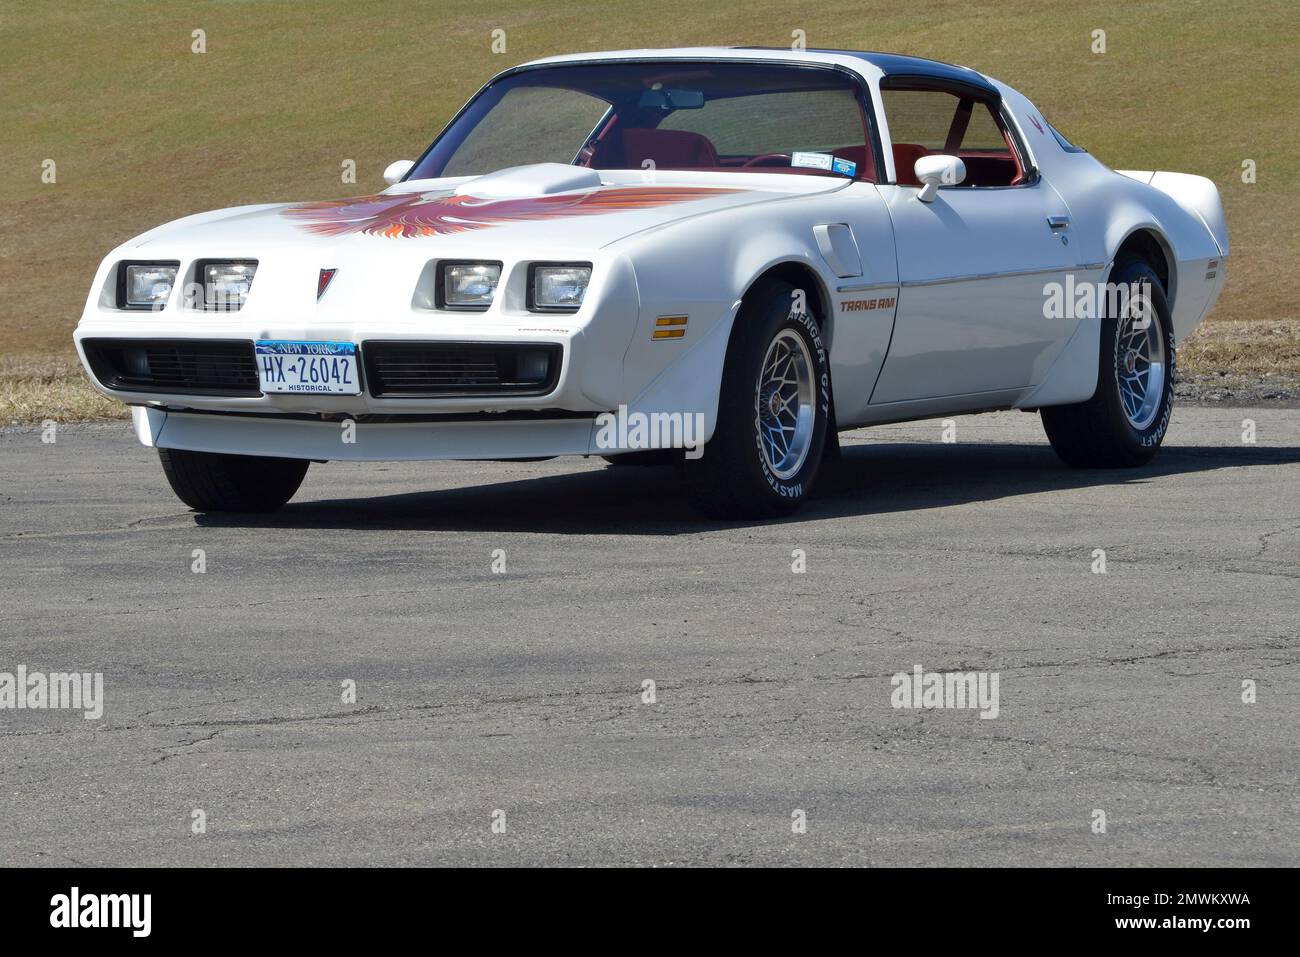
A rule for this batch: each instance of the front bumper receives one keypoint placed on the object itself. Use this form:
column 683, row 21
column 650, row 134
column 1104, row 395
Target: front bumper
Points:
column 554, row 417
column 498, row 436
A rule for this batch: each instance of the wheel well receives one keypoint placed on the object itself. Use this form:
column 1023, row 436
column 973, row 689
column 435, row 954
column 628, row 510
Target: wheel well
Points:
column 1149, row 247
column 802, row 277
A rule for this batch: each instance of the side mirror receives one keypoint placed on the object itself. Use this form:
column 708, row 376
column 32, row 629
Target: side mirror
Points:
column 935, row 171
column 397, row 170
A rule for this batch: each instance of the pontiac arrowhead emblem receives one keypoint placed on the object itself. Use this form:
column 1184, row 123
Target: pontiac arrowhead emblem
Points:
column 323, row 283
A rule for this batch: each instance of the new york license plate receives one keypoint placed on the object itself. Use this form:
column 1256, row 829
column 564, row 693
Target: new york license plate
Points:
column 328, row 368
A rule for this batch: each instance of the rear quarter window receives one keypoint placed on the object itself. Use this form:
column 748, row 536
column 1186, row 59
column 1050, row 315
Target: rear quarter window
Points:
column 1065, row 144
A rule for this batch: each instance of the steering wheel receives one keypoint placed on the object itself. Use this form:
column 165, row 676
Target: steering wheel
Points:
column 767, row 159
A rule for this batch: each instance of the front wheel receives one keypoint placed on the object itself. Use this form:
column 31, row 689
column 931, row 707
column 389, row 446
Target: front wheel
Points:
column 1125, row 421
column 214, row 482
column 773, row 411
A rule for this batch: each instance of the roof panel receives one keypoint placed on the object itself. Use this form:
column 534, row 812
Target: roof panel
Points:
column 898, row 64
column 883, row 64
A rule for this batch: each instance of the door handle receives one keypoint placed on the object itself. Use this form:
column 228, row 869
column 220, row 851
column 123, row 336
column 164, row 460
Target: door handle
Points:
column 1058, row 222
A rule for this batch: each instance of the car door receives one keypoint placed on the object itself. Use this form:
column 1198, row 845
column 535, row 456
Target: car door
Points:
column 974, row 265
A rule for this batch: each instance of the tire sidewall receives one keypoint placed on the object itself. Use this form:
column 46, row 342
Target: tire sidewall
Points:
column 1142, row 442
column 776, row 313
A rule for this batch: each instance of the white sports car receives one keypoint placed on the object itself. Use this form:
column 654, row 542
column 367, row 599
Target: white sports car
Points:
column 713, row 256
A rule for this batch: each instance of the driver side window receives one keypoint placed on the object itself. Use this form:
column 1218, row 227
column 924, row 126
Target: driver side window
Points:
column 924, row 121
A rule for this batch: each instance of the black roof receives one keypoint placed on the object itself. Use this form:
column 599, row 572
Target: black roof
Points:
column 897, row 64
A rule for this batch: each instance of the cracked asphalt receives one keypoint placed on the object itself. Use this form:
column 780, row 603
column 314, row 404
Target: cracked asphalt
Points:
column 522, row 692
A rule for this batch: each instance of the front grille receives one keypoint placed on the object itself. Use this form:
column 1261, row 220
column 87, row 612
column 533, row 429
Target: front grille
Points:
column 445, row 369
column 175, row 366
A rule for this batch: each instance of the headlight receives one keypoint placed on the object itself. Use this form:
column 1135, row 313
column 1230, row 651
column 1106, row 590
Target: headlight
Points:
column 469, row 285
column 558, row 286
column 146, row 285
column 226, row 284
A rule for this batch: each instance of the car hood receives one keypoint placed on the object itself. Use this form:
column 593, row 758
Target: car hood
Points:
column 532, row 206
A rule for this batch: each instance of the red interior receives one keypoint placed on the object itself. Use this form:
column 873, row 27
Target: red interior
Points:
column 630, row 147
column 861, row 155
column 905, row 157
column 983, row 167
column 667, row 149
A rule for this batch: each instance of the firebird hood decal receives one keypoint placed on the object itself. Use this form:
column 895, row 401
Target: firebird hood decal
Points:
column 440, row 214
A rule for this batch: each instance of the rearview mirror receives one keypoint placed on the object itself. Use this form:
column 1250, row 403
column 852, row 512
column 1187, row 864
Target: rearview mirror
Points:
column 666, row 100
column 397, row 170
column 935, row 171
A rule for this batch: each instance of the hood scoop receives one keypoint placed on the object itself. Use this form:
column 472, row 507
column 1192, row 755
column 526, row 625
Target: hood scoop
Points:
column 540, row 179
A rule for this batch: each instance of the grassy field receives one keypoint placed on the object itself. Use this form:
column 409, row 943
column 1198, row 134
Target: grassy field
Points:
column 142, row 130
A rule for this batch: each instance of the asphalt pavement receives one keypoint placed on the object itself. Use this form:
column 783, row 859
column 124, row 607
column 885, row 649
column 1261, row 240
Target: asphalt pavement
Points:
column 499, row 623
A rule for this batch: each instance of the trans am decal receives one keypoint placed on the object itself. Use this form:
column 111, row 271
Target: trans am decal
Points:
column 440, row 214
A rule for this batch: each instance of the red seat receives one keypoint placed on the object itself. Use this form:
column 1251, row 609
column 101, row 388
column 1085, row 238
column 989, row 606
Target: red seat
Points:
column 905, row 157
column 667, row 149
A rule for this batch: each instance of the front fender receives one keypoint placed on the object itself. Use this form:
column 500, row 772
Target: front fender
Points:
column 703, row 270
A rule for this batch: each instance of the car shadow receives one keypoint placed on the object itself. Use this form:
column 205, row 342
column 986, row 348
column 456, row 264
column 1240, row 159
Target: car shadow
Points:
column 872, row 478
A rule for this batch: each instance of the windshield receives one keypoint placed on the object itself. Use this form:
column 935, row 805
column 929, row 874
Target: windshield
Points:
column 682, row 115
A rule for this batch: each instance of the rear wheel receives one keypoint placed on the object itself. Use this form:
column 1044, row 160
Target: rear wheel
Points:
column 773, row 412
column 213, row 482
column 1125, row 421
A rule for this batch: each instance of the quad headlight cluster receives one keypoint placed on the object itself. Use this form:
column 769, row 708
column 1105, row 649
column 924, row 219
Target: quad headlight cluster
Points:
column 552, row 287
column 223, row 285
column 220, row 286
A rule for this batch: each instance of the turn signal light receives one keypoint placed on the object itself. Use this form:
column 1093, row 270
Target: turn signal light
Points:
column 670, row 327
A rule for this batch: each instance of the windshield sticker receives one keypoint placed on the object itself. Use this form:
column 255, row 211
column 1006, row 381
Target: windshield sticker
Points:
column 845, row 167
column 439, row 214
column 811, row 160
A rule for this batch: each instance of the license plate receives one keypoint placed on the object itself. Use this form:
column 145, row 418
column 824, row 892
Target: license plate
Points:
column 308, row 368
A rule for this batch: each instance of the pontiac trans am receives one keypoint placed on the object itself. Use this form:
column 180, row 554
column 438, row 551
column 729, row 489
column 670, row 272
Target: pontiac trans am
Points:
column 715, row 257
